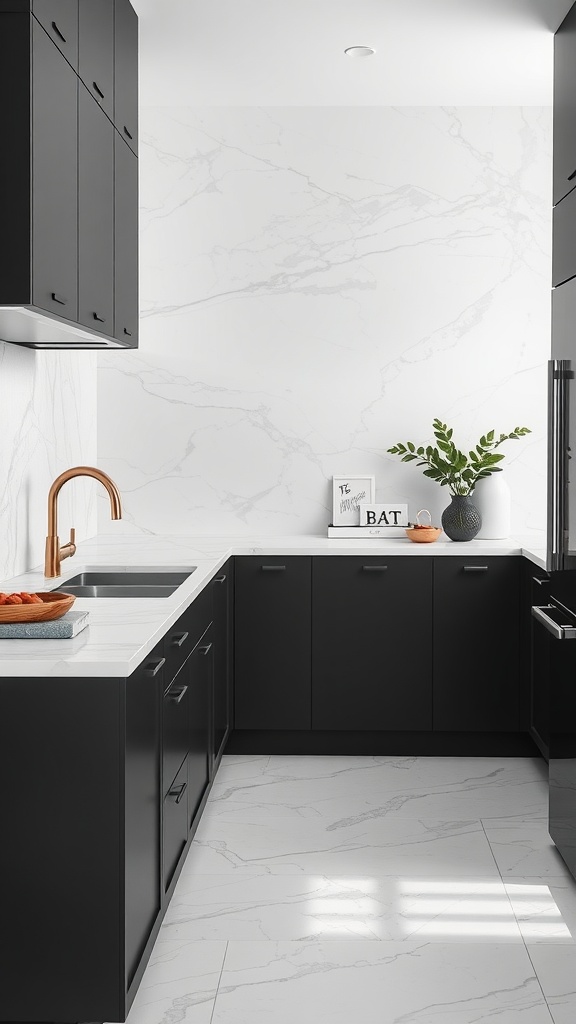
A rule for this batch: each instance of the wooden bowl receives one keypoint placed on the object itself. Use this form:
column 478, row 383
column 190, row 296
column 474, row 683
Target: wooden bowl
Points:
column 424, row 534
column 55, row 603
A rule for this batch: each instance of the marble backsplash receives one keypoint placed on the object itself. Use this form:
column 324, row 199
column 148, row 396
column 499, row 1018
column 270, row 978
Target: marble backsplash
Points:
column 317, row 284
column 47, row 424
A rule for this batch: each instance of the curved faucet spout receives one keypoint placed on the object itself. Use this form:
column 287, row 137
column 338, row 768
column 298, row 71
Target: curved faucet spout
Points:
column 55, row 553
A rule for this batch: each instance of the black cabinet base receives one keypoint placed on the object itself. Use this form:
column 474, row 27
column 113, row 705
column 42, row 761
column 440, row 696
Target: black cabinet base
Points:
column 423, row 744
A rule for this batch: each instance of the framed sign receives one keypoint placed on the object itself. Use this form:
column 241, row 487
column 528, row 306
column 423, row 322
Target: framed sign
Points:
column 394, row 514
column 348, row 492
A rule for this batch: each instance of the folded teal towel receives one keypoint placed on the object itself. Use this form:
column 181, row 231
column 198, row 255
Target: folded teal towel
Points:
column 66, row 626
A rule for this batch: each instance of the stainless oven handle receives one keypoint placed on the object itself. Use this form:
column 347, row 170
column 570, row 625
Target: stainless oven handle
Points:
column 559, row 632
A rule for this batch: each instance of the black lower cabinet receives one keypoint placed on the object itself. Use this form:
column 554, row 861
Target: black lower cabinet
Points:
column 477, row 644
column 174, row 822
column 223, row 605
column 272, row 642
column 200, row 673
column 372, row 643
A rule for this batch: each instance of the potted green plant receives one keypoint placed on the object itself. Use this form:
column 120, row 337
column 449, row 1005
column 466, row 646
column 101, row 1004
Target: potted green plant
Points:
column 459, row 472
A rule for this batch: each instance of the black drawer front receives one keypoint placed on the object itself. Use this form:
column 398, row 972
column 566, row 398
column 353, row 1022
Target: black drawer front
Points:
column 175, row 825
column 182, row 637
column 175, row 724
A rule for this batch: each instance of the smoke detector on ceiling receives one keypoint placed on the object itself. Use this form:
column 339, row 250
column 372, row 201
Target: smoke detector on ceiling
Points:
column 359, row 51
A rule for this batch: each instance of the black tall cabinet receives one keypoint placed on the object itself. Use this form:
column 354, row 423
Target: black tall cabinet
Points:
column 69, row 177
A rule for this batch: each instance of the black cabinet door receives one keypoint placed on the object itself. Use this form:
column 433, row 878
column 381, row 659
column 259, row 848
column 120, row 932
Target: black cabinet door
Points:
column 175, row 724
column 565, row 107
column 174, row 823
column 223, row 587
column 372, row 643
column 200, row 680
column 476, row 644
column 142, row 799
column 272, row 642
column 96, row 50
column 95, row 216
column 539, row 645
column 54, row 179
column 563, row 240
column 126, row 73
column 60, row 20
column 126, row 244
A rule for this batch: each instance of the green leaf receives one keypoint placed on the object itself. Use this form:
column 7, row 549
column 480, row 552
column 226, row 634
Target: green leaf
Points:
column 490, row 436
column 411, row 446
column 408, row 458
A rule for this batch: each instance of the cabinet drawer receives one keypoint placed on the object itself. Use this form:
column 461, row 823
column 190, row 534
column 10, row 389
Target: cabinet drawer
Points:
column 182, row 637
column 175, row 823
column 563, row 240
column 175, row 723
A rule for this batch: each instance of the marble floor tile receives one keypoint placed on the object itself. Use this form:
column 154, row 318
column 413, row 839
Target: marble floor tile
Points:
column 343, row 982
column 179, row 983
column 545, row 908
column 357, row 789
column 524, row 848
column 449, row 849
column 306, row 907
column 555, row 968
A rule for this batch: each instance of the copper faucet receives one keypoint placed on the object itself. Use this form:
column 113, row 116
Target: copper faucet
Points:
column 54, row 552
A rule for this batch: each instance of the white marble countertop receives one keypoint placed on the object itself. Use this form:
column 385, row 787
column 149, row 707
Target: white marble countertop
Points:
column 123, row 631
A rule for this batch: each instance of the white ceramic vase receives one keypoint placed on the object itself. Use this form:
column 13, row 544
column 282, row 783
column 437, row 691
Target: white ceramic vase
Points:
column 492, row 497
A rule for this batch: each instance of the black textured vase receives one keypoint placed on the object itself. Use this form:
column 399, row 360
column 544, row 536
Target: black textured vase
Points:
column 461, row 520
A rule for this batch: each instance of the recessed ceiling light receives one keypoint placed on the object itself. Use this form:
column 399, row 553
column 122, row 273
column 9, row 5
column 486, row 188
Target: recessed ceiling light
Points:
column 359, row 51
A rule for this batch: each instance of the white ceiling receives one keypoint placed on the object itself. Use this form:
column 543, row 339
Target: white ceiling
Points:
column 290, row 52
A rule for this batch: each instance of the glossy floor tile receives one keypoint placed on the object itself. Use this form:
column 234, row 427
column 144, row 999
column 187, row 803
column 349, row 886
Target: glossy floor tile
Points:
column 377, row 847
column 378, row 983
column 556, row 971
column 321, row 890
column 179, row 983
column 306, row 907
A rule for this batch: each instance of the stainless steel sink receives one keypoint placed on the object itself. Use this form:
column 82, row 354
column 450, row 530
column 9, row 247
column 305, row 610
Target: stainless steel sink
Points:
column 104, row 590
column 127, row 581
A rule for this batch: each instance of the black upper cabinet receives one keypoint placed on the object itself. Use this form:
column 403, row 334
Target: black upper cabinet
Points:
column 54, row 179
column 95, row 216
column 272, row 642
column 69, row 184
column 126, row 72
column 96, row 50
column 476, row 644
column 565, row 107
column 126, row 244
column 60, row 19
column 563, row 235
column 372, row 643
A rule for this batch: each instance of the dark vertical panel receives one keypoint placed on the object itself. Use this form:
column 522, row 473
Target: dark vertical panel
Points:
column 95, row 216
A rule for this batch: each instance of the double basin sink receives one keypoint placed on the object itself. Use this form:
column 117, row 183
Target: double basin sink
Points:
column 128, row 581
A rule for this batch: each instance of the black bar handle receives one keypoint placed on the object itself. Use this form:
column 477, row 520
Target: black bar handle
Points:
column 541, row 582
column 374, row 568
column 205, row 648
column 154, row 668
column 59, row 298
column 178, row 791
column 176, row 695
column 570, row 176
column 58, row 32
column 219, row 579
column 126, row 132
column 126, row 331
column 475, row 568
column 273, row 568
column 178, row 639
column 100, row 319
column 98, row 90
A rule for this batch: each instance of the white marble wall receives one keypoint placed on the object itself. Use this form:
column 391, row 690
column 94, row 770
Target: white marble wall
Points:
column 316, row 284
column 47, row 424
